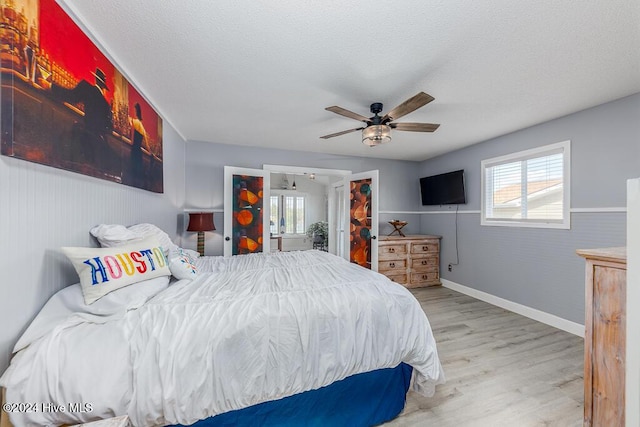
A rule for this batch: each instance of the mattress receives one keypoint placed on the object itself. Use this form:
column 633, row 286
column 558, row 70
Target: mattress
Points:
column 248, row 329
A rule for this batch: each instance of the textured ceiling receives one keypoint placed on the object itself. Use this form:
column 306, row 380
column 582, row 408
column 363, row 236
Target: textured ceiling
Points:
column 260, row 73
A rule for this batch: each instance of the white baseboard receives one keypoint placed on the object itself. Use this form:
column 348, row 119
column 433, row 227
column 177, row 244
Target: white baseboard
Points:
column 532, row 313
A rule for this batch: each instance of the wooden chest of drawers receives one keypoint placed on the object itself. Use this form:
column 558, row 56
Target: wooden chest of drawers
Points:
column 605, row 336
column 413, row 261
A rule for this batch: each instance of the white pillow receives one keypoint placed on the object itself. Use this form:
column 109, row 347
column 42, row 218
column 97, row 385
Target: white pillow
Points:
column 103, row 270
column 69, row 302
column 181, row 264
column 110, row 235
column 150, row 230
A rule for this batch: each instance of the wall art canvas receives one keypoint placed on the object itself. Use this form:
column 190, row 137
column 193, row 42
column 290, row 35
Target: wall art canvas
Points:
column 248, row 203
column 360, row 224
column 64, row 104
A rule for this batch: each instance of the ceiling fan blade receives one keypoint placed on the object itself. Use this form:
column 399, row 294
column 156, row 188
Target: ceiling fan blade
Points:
column 347, row 113
column 415, row 127
column 411, row 104
column 340, row 133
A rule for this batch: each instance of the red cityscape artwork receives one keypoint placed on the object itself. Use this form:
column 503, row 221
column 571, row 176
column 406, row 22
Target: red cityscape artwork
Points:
column 64, row 104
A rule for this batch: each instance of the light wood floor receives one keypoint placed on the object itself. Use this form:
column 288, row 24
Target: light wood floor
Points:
column 502, row 369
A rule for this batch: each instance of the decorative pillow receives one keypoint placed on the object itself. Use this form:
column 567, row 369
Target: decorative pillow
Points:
column 103, row 270
column 181, row 264
column 193, row 254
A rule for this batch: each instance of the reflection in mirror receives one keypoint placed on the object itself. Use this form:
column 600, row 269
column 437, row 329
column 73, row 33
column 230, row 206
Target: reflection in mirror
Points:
column 294, row 211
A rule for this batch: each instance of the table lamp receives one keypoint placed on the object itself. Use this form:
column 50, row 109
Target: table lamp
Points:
column 201, row 222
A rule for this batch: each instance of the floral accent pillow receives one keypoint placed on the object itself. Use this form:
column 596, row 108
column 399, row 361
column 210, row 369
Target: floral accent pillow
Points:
column 182, row 265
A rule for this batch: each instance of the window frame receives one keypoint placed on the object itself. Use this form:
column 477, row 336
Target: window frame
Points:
column 563, row 147
column 280, row 194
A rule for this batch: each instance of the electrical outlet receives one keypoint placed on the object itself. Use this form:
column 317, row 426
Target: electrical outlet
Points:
column 450, row 267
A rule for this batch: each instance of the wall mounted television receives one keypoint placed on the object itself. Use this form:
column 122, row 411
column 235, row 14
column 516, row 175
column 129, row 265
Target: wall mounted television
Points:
column 443, row 189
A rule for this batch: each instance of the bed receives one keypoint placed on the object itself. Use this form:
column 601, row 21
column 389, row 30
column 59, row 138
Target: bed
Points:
column 297, row 338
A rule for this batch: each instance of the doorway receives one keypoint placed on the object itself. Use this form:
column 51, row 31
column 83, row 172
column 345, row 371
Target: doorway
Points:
column 300, row 197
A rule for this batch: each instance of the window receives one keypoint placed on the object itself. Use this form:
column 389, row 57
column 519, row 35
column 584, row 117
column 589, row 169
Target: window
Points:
column 287, row 214
column 527, row 189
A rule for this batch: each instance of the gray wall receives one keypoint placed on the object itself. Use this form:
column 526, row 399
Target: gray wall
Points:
column 44, row 208
column 538, row 267
column 205, row 178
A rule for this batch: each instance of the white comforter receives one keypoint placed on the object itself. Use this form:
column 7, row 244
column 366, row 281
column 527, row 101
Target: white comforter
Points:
column 253, row 328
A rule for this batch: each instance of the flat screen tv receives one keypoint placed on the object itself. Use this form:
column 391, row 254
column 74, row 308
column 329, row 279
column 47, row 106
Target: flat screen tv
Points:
column 443, row 189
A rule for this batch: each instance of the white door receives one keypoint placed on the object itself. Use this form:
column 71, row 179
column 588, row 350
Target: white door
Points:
column 246, row 214
column 336, row 219
column 361, row 219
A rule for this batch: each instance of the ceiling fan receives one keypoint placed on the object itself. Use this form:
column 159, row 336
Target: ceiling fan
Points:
column 378, row 129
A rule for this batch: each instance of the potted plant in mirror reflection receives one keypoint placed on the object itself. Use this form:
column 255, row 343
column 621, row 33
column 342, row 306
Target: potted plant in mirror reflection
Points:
column 319, row 233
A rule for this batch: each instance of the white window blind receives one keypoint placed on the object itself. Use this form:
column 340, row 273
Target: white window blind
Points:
column 529, row 188
column 287, row 214
column 274, row 220
column 299, row 220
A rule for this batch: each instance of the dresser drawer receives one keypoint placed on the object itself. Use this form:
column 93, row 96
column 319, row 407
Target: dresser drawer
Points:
column 392, row 251
column 395, row 276
column 425, row 263
column 420, row 272
column 390, row 265
column 425, row 248
column 426, row 278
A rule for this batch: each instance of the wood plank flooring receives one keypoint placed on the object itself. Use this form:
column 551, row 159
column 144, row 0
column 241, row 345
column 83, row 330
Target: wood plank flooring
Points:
column 502, row 369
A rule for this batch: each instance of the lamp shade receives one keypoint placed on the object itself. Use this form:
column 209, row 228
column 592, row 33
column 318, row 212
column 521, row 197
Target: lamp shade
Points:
column 201, row 221
column 375, row 135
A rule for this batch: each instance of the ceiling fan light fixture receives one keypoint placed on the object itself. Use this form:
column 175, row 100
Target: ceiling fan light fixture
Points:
column 376, row 134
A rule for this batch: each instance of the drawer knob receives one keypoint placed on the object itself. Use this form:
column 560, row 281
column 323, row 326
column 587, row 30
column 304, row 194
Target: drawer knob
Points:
column 424, row 262
column 392, row 264
column 424, row 277
column 392, row 249
column 425, row 248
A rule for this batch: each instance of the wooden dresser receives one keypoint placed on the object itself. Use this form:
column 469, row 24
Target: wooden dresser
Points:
column 605, row 336
column 413, row 261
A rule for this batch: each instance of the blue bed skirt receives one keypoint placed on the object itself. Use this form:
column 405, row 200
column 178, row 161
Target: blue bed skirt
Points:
column 366, row 399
